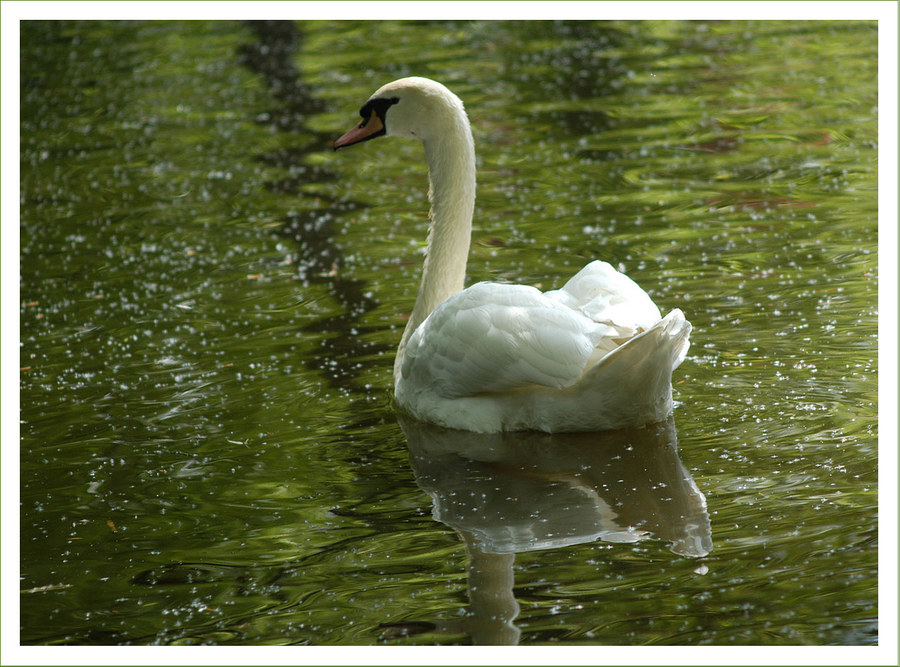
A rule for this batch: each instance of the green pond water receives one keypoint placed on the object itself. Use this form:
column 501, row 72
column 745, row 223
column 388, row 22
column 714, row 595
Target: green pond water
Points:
column 211, row 299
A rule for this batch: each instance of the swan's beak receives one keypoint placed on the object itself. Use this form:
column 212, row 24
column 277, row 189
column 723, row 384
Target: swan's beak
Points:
column 368, row 129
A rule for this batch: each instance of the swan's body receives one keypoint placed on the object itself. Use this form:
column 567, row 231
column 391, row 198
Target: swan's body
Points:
column 591, row 356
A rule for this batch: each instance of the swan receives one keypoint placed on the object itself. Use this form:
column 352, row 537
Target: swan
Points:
column 593, row 355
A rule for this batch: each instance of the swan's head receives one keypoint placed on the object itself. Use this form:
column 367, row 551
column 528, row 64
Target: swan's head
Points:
column 414, row 107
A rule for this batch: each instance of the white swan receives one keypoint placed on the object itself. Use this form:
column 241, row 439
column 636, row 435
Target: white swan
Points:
column 591, row 356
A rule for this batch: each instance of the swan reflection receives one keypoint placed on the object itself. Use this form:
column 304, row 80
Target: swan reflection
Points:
column 516, row 492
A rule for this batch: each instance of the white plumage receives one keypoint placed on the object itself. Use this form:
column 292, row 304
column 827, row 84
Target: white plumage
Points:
column 593, row 355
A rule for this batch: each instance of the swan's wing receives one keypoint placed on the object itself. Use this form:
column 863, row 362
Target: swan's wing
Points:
column 602, row 294
column 495, row 338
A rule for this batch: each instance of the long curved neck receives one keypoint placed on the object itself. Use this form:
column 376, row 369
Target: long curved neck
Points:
column 451, row 174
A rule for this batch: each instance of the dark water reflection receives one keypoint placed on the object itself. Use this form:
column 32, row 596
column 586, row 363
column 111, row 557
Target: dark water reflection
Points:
column 210, row 300
column 319, row 258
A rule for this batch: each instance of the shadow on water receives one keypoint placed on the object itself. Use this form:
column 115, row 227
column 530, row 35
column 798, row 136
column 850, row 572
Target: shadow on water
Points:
column 512, row 493
column 274, row 56
column 320, row 260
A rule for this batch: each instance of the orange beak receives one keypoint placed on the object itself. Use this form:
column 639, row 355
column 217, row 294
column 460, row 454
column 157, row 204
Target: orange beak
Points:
column 367, row 129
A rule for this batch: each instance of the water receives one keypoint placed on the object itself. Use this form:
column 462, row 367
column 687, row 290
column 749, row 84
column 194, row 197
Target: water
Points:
column 211, row 298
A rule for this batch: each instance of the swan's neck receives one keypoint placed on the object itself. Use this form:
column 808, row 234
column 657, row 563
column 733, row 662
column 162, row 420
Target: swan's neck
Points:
column 451, row 174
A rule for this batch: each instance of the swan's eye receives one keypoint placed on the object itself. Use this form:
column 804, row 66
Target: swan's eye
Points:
column 366, row 118
column 378, row 107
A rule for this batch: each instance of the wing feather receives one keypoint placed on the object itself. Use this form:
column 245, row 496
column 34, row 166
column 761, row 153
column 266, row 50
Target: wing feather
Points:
column 492, row 338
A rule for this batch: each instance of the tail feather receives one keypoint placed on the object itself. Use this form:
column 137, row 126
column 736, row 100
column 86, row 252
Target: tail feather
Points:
column 636, row 378
column 666, row 344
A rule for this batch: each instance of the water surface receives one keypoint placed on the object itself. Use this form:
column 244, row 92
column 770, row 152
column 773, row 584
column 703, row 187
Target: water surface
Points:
column 211, row 298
